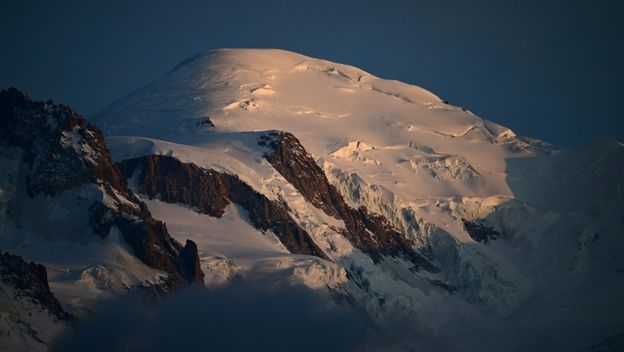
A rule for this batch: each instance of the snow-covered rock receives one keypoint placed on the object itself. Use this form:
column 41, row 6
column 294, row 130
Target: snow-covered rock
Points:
column 65, row 205
column 30, row 316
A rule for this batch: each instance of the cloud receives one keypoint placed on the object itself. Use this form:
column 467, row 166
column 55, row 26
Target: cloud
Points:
column 239, row 317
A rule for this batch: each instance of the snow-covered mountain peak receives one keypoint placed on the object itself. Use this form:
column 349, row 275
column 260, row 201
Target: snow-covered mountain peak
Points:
column 263, row 60
column 277, row 167
column 328, row 106
column 271, row 80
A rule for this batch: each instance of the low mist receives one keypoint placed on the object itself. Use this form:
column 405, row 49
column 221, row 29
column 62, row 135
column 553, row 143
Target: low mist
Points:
column 238, row 317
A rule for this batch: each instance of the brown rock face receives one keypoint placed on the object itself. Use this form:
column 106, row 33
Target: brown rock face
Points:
column 153, row 246
column 296, row 165
column 56, row 140
column 30, row 280
column 64, row 152
column 209, row 192
column 190, row 262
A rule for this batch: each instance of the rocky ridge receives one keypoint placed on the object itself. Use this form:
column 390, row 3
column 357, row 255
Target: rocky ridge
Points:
column 60, row 152
column 209, row 192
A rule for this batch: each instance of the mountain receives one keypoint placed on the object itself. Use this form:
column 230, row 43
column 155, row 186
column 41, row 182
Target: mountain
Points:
column 31, row 315
column 65, row 204
column 279, row 168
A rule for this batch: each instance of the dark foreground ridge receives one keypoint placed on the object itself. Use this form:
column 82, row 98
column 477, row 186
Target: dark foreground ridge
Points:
column 62, row 152
column 30, row 281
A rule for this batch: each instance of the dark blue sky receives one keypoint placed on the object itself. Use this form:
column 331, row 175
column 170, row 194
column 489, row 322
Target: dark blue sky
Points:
column 547, row 69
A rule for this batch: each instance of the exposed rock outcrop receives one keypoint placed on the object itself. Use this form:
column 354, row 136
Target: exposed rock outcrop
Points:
column 371, row 233
column 31, row 281
column 209, row 192
column 62, row 152
column 30, row 315
column 480, row 232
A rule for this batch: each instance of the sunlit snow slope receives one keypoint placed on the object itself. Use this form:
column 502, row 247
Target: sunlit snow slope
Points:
column 406, row 137
column 513, row 226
